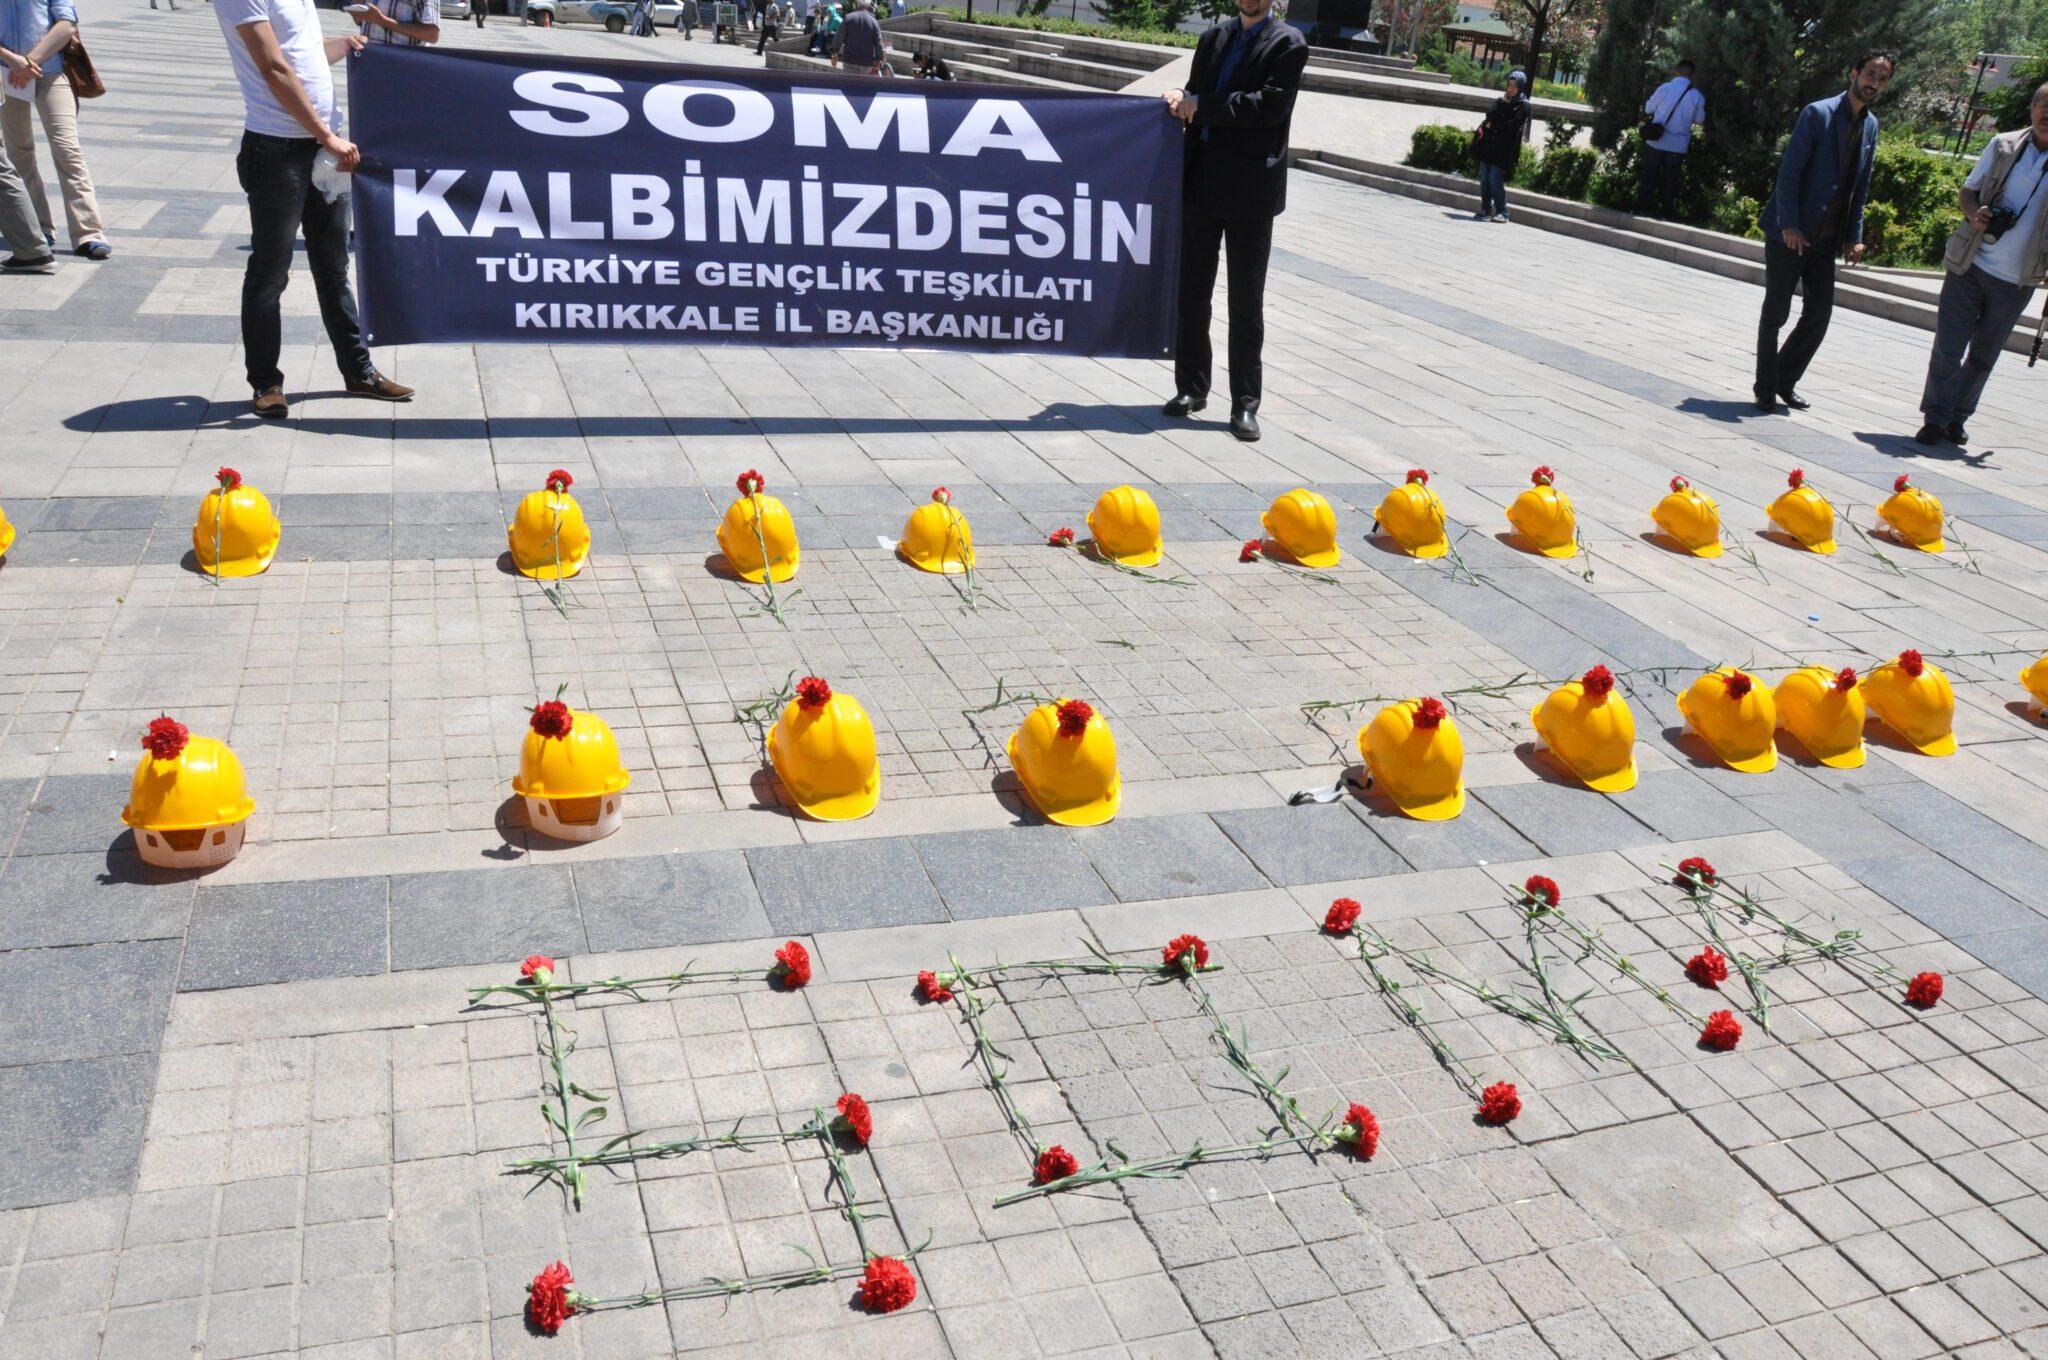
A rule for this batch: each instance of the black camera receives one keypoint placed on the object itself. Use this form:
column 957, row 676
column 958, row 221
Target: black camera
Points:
column 2002, row 220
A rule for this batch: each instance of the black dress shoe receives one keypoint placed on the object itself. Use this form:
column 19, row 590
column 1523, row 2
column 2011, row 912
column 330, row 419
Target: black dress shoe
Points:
column 1183, row 405
column 1244, row 422
column 1794, row 400
column 1768, row 405
column 1955, row 433
column 1930, row 433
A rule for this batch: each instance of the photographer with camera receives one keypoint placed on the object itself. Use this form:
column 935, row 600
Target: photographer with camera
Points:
column 1995, row 259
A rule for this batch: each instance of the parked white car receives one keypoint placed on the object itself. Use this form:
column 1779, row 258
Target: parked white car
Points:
column 615, row 15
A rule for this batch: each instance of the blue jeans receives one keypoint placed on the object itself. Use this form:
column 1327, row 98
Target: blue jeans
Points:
column 277, row 175
column 1977, row 313
column 1493, row 189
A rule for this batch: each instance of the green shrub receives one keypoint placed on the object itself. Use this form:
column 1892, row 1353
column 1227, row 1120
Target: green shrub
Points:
column 1614, row 183
column 1565, row 172
column 1561, row 132
column 1525, row 165
column 1736, row 215
column 1914, row 182
column 1439, row 146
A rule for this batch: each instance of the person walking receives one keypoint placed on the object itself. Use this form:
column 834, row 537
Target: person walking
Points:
column 1498, row 145
column 32, row 38
column 411, row 23
column 860, row 40
column 478, row 9
column 1996, row 259
column 32, row 254
column 771, row 27
column 690, row 19
column 289, row 120
column 1235, row 114
column 1670, row 114
column 1815, row 214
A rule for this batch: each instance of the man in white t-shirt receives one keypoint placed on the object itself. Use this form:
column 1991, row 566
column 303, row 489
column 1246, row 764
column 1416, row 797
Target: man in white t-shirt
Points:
column 289, row 118
column 1995, row 260
column 1677, row 107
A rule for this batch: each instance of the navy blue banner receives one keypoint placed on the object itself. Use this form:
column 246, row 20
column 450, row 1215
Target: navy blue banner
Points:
column 511, row 197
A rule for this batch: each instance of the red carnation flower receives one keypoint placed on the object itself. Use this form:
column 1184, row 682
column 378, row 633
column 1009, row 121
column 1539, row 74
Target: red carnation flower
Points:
column 792, row 966
column 1186, row 952
column 1061, row 537
column 1797, row 478
column 1074, row 715
column 1419, row 475
column 165, row 738
column 812, row 692
column 1845, row 679
column 1679, row 484
column 1429, row 713
column 535, row 967
column 929, row 988
column 1696, row 870
column 228, row 478
column 1902, row 483
column 1912, row 663
column 886, row 1285
column 749, row 482
column 855, row 1119
column 559, row 480
column 552, row 719
column 1054, row 1164
column 548, row 1301
column 1738, row 684
column 1251, row 550
column 1722, row 1033
column 942, row 495
column 1924, row 990
column 1708, row 968
column 1499, row 1103
column 1343, row 915
column 1543, row 476
column 1541, row 890
column 1362, row 1131
column 1598, row 682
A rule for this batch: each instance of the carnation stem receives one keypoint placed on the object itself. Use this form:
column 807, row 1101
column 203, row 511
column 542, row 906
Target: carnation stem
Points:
column 1237, row 1048
column 986, row 1053
column 633, row 987
column 1759, row 1007
column 1102, row 1171
column 571, row 1165
column 620, row 1149
column 850, row 1198
column 1407, row 1011
column 1095, row 554
column 1592, row 945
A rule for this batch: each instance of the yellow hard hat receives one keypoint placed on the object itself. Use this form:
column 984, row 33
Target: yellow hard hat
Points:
column 1544, row 516
column 1305, row 527
column 1805, row 514
column 937, row 537
column 568, row 754
column 1824, row 713
column 1125, row 526
column 1912, row 697
column 1415, row 755
column 548, row 534
column 1413, row 517
column 1735, row 716
column 1591, row 730
column 185, row 783
column 1914, row 515
column 2035, row 678
column 1691, row 518
column 6, row 534
column 238, row 518
column 1065, row 757
column 741, row 542
column 823, row 750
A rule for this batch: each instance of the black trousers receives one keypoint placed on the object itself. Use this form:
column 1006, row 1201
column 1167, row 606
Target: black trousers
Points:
column 1250, row 241
column 1780, row 367
column 1658, row 187
column 277, row 175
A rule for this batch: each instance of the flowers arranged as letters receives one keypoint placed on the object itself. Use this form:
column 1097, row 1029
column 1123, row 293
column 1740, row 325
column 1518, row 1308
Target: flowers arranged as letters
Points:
column 1361, row 1132
column 1924, row 990
column 929, row 988
column 1342, row 916
column 1722, row 1032
column 792, row 966
column 887, row 1285
column 1708, row 968
column 1187, row 953
column 855, row 1120
column 1499, row 1103
column 1053, row 1164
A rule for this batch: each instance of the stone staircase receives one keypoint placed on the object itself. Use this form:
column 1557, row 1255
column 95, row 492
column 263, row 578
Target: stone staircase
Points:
column 1908, row 296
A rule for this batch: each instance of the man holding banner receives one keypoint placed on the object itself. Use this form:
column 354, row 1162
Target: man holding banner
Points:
column 1237, row 107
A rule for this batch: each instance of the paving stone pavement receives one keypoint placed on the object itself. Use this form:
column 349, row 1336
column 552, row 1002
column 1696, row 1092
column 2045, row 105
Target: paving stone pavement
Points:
column 249, row 1114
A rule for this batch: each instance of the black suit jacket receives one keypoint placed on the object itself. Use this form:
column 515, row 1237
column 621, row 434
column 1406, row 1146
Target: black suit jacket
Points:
column 1241, row 170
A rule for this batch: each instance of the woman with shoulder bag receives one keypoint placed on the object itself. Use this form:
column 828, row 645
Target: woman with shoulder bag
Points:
column 1498, row 146
column 33, row 38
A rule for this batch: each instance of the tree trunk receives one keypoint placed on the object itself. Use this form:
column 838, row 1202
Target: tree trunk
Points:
column 1539, row 28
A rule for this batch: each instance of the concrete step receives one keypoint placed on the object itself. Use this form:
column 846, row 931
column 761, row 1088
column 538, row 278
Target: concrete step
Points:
column 1887, row 296
column 1403, row 67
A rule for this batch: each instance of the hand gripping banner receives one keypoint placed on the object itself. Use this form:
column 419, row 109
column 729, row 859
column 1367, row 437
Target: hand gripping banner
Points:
column 512, row 197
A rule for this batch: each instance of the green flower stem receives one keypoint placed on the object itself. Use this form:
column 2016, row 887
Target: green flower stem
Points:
column 1845, row 946
column 986, row 1053
column 1102, row 1171
column 1005, row 699
column 633, row 987
column 715, row 1287
column 1237, row 1048
column 1759, row 1007
column 1407, row 1011
column 1591, row 945
column 1296, row 569
column 850, row 1198
column 1095, row 554
column 621, row 1149
column 570, row 1166
column 1561, row 1013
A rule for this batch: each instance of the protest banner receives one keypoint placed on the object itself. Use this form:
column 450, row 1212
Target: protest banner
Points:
column 546, row 199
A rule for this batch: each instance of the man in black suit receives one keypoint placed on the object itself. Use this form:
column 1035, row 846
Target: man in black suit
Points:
column 1239, row 101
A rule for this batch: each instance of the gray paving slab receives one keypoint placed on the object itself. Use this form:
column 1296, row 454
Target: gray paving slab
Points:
column 1313, row 843
column 482, row 916
column 647, row 902
column 1561, row 820
column 836, row 885
column 1476, row 836
column 72, row 1128
column 73, row 814
column 1009, row 871
column 249, row 934
column 90, row 1001
column 1146, row 858
column 90, row 899
column 1678, row 805
column 1942, row 894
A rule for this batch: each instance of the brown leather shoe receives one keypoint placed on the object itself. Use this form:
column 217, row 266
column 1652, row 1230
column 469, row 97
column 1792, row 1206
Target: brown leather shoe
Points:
column 271, row 405
column 382, row 388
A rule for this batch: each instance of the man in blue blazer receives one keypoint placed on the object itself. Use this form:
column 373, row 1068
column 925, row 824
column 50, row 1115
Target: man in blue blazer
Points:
column 1815, row 214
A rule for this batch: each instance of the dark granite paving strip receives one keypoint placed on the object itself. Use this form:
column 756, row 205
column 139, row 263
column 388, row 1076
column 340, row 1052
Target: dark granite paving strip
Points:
column 1846, row 457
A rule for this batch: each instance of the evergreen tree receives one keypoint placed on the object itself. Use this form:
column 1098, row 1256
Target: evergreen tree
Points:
column 1623, row 69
